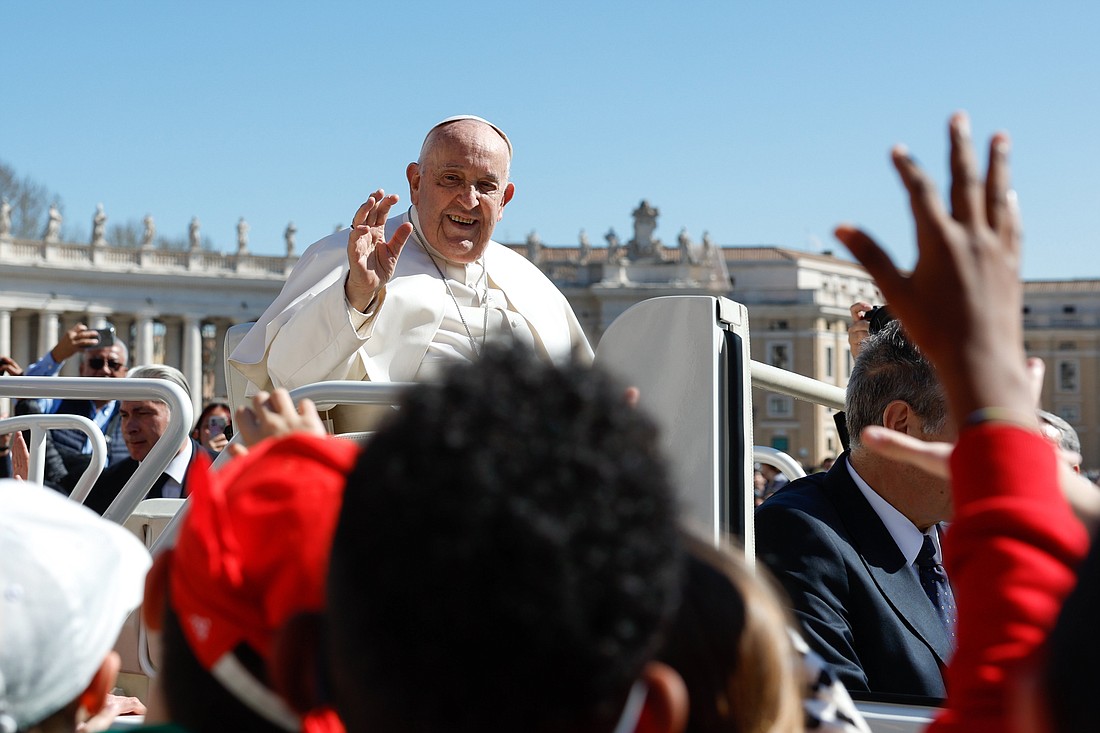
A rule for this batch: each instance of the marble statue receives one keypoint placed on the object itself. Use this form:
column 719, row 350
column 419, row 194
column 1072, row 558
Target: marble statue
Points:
column 53, row 225
column 614, row 247
column 645, row 223
column 534, row 247
column 289, row 234
column 150, row 231
column 585, row 250
column 709, row 249
column 242, row 236
column 194, row 234
column 687, row 248
column 5, row 218
column 99, row 226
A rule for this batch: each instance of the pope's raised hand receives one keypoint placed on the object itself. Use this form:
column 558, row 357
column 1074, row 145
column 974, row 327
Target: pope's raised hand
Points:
column 371, row 258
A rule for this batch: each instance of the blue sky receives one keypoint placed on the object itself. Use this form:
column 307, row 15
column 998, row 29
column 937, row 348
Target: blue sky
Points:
column 764, row 123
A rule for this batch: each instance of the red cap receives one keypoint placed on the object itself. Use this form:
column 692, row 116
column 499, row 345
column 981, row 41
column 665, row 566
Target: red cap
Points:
column 254, row 549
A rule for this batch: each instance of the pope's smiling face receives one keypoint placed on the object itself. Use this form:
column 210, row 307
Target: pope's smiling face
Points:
column 460, row 187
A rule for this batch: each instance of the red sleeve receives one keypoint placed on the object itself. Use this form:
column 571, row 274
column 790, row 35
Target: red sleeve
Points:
column 1011, row 552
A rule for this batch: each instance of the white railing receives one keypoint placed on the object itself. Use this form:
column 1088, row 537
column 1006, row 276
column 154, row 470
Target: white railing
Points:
column 162, row 452
column 796, row 385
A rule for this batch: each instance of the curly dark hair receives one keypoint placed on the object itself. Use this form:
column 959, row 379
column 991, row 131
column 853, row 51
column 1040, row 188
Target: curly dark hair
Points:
column 506, row 555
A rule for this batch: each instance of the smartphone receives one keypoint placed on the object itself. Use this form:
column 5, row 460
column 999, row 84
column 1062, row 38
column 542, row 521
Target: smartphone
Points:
column 106, row 338
column 217, row 424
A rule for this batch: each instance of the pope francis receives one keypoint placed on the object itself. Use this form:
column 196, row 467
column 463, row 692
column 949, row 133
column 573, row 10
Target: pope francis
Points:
column 395, row 299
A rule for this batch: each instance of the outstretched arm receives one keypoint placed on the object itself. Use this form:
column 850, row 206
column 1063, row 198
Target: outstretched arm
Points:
column 1013, row 546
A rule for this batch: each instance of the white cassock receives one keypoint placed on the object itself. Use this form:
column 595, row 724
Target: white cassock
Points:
column 310, row 334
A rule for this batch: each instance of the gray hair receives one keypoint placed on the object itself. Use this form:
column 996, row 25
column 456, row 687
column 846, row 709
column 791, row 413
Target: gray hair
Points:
column 1069, row 439
column 890, row 367
column 161, row 371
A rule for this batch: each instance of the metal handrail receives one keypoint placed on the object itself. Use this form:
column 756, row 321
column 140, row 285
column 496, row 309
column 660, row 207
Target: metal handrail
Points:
column 787, row 465
column 121, row 389
column 38, row 425
column 796, row 385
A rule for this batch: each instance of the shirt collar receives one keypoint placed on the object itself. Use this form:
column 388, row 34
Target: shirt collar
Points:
column 177, row 468
column 905, row 534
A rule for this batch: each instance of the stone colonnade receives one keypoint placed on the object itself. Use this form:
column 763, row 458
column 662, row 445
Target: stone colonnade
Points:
column 193, row 343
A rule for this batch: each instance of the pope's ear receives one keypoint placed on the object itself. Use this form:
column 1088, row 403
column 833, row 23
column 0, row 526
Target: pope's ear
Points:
column 412, row 172
column 509, row 192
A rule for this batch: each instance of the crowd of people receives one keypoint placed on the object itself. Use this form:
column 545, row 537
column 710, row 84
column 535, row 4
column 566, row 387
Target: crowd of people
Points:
column 507, row 552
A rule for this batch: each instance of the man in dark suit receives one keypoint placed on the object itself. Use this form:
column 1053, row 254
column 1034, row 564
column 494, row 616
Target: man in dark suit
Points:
column 143, row 423
column 849, row 545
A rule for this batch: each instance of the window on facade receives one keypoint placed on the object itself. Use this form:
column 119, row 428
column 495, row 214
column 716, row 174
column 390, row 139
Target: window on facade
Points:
column 780, row 406
column 849, row 362
column 1067, row 376
column 829, row 362
column 779, row 355
column 781, row 442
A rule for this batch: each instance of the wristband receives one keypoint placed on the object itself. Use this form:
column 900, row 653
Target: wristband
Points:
column 1027, row 420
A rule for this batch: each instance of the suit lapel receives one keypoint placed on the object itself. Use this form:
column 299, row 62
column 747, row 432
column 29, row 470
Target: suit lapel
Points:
column 886, row 565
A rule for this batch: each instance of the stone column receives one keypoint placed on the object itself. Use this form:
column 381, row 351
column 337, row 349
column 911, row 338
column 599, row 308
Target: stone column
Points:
column 123, row 323
column 173, row 342
column 143, row 347
column 5, row 350
column 5, row 334
column 192, row 358
column 21, row 340
column 48, row 331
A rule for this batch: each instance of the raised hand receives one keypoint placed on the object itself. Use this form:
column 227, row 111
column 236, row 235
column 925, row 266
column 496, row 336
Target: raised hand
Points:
column 10, row 366
column 962, row 301
column 371, row 258
column 859, row 328
column 76, row 338
column 274, row 415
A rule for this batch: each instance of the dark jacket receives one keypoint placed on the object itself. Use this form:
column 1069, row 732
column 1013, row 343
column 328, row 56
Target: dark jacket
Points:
column 111, row 481
column 861, row 606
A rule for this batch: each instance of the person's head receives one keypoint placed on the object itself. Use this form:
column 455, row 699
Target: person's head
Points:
column 251, row 557
column 460, row 186
column 1060, row 433
column 894, row 385
column 144, row 421
column 109, row 361
column 730, row 645
column 827, row 463
column 68, row 580
column 205, row 428
column 505, row 558
column 890, row 370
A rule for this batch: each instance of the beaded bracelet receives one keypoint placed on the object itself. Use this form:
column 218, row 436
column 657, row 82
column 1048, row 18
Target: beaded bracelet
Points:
column 1021, row 419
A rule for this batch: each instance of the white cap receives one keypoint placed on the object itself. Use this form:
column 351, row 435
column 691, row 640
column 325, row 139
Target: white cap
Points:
column 475, row 118
column 68, row 580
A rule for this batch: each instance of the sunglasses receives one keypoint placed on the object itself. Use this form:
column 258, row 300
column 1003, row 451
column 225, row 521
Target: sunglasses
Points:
column 97, row 362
